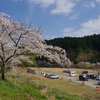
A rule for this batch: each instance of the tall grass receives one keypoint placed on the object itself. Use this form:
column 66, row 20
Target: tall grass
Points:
column 28, row 89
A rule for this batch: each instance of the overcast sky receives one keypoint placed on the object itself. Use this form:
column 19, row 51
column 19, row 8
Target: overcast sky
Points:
column 59, row 18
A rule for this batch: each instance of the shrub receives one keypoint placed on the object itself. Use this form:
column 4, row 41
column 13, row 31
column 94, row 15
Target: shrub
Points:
column 85, row 66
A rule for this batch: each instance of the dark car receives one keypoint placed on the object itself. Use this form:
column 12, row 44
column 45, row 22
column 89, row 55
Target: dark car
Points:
column 84, row 72
column 92, row 76
column 83, row 77
column 31, row 71
column 98, row 82
column 99, row 73
column 66, row 71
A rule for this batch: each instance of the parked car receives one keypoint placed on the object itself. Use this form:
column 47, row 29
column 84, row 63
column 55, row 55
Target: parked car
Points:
column 83, row 77
column 92, row 76
column 98, row 77
column 98, row 73
column 53, row 76
column 72, row 71
column 47, row 75
column 31, row 71
column 84, row 72
column 98, row 82
column 66, row 71
column 72, row 74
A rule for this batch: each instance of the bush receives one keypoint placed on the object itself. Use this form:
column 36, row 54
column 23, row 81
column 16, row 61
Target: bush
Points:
column 25, row 63
column 31, row 62
column 85, row 66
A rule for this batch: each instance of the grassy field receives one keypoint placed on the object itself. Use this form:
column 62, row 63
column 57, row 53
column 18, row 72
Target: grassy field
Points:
column 25, row 89
column 62, row 86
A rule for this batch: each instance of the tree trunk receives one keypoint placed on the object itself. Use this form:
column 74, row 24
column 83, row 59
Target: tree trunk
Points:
column 3, row 72
column 3, row 76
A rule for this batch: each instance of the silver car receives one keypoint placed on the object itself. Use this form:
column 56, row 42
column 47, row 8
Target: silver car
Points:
column 53, row 76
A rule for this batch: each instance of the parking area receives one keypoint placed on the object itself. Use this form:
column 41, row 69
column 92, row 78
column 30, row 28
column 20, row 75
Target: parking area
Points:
column 90, row 83
column 54, row 74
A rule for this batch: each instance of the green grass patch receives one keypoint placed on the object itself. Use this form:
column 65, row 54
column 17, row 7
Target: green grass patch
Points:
column 7, row 89
column 26, row 89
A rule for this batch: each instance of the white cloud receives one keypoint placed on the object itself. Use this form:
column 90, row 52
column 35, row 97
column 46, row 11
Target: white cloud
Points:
column 43, row 3
column 68, row 30
column 90, row 4
column 74, row 16
column 63, row 7
column 16, row 0
column 87, row 28
column 98, row 1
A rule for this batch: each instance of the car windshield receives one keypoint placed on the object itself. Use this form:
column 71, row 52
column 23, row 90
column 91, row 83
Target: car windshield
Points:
column 72, row 73
column 52, row 75
column 84, row 75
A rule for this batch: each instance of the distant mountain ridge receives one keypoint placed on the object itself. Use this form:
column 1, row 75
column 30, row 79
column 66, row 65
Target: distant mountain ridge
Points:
column 78, row 49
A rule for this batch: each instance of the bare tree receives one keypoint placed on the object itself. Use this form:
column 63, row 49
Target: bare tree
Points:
column 16, row 39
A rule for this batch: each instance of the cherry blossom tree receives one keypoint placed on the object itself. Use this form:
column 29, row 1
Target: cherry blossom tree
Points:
column 55, row 56
column 16, row 39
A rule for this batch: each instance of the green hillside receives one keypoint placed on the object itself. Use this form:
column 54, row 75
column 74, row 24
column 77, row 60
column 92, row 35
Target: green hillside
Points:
column 26, row 89
column 85, row 48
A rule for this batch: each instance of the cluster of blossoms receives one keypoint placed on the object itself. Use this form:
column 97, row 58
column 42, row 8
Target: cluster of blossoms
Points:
column 16, row 39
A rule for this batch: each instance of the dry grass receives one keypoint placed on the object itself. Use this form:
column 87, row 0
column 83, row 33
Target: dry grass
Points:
column 60, row 70
column 59, row 84
column 66, row 86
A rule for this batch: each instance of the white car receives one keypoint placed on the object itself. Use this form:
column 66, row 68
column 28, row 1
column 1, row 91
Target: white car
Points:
column 98, row 77
column 72, row 74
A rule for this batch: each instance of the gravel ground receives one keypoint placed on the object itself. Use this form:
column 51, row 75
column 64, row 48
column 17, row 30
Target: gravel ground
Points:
column 90, row 83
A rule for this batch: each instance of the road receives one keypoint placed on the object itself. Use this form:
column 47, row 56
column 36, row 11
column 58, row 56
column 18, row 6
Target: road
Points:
column 90, row 83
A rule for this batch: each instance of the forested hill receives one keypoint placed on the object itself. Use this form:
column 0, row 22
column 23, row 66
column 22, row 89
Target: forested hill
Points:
column 85, row 48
